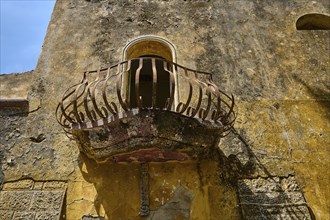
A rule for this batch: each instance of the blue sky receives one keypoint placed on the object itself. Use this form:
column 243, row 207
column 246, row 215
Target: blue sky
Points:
column 23, row 27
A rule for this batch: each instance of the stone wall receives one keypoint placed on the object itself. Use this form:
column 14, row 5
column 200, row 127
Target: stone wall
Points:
column 279, row 77
column 15, row 85
column 272, row 198
column 28, row 199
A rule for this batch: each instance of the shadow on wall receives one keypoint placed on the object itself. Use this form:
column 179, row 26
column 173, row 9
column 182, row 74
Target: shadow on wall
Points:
column 271, row 197
column 118, row 190
column 176, row 189
column 117, row 186
column 236, row 167
column 320, row 95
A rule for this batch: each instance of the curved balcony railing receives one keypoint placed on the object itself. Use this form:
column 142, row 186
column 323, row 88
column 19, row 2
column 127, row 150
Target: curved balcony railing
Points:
column 106, row 95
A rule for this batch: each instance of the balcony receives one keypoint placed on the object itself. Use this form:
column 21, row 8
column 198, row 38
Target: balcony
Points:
column 146, row 109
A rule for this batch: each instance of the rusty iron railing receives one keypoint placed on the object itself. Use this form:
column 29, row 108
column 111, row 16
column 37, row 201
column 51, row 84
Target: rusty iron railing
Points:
column 105, row 95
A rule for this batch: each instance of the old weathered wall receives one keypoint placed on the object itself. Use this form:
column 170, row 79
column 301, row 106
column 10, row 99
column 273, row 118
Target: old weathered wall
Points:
column 279, row 76
column 16, row 85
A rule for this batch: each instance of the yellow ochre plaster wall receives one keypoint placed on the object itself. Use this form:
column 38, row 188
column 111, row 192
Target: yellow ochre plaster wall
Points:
column 278, row 75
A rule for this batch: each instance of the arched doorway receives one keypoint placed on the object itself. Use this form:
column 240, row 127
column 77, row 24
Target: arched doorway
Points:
column 148, row 70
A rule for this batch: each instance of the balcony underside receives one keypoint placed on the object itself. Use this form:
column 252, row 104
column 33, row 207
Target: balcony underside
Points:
column 149, row 135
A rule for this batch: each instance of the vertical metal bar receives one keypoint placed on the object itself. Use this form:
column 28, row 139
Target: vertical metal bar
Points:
column 88, row 112
column 216, row 92
column 200, row 99
column 63, row 108
column 127, row 85
column 76, row 96
column 87, row 98
column 177, row 86
column 104, row 95
column 172, row 86
column 231, row 110
column 93, row 94
column 118, row 86
column 185, row 106
column 137, row 84
column 144, row 189
column 209, row 101
column 154, row 83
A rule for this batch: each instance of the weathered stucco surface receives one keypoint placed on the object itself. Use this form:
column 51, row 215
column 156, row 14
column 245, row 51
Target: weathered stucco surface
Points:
column 113, row 189
column 279, row 76
column 14, row 86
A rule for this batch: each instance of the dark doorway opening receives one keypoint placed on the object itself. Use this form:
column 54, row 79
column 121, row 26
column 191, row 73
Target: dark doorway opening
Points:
column 146, row 82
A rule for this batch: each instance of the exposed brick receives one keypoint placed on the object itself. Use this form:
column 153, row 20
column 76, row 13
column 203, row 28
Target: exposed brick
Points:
column 47, row 200
column 22, row 184
column 91, row 217
column 23, row 215
column 290, row 185
column 6, row 214
column 47, row 215
column 257, row 211
column 272, row 198
column 259, row 185
column 54, row 185
column 15, row 200
column 38, row 185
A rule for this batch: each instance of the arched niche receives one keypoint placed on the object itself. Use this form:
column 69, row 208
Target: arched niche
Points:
column 147, row 45
column 313, row 21
column 156, row 47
